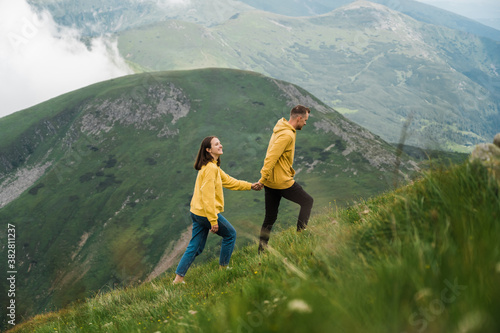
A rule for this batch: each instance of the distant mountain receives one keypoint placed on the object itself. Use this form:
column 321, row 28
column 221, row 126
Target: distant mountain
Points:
column 417, row 10
column 108, row 16
column 379, row 67
column 98, row 181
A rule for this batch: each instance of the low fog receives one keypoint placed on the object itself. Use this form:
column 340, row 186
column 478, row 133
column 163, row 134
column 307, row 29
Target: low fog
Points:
column 40, row 59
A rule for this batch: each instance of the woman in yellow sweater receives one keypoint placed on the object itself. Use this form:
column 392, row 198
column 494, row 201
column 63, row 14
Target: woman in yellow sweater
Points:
column 207, row 205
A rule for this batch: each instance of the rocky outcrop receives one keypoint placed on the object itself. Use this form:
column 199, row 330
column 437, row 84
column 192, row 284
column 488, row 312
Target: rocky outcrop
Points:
column 489, row 155
column 294, row 97
column 13, row 185
column 138, row 110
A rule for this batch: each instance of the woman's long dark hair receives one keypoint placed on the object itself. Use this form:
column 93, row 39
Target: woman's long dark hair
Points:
column 204, row 156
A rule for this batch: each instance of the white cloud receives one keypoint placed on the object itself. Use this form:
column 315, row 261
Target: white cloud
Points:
column 40, row 59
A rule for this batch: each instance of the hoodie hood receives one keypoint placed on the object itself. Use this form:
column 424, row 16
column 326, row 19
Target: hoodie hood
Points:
column 283, row 125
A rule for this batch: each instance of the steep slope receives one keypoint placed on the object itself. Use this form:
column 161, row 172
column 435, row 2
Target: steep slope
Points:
column 377, row 66
column 114, row 197
column 424, row 258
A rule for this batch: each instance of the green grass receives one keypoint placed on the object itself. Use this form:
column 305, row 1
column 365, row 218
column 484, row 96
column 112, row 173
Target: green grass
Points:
column 422, row 258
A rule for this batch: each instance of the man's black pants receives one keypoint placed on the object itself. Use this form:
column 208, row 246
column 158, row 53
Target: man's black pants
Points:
column 296, row 194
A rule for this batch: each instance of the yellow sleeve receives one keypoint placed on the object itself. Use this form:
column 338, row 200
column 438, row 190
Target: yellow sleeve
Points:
column 207, row 190
column 273, row 155
column 234, row 184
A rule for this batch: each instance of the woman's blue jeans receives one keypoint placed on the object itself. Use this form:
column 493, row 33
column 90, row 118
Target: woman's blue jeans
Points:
column 201, row 227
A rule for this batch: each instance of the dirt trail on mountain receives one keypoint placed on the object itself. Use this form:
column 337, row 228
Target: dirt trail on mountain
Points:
column 171, row 254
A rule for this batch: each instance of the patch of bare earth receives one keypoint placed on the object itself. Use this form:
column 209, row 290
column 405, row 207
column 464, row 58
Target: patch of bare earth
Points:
column 171, row 254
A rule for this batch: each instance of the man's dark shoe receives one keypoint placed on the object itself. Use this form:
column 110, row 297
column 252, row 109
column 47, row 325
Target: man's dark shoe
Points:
column 262, row 248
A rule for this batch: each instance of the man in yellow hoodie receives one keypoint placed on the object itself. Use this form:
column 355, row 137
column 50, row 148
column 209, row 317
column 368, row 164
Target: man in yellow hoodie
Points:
column 277, row 173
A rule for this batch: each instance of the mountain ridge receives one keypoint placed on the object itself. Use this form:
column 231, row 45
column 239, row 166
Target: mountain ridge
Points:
column 114, row 16
column 417, row 10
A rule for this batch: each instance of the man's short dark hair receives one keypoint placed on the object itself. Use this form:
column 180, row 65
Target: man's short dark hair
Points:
column 299, row 110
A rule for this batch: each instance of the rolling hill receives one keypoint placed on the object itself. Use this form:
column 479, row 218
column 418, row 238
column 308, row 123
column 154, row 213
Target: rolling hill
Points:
column 98, row 181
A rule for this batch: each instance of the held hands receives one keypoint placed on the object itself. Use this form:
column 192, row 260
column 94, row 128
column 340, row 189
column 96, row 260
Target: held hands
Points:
column 257, row 186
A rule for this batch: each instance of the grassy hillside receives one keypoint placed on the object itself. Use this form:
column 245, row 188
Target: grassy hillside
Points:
column 378, row 67
column 423, row 258
column 111, row 169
